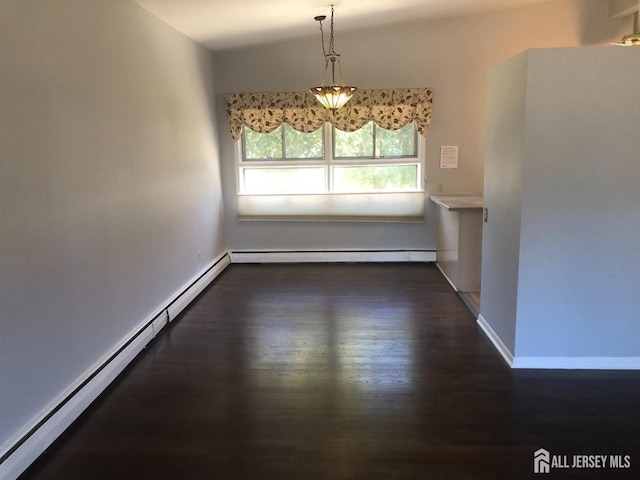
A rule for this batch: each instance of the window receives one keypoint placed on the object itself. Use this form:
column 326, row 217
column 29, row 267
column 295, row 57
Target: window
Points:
column 329, row 160
column 371, row 174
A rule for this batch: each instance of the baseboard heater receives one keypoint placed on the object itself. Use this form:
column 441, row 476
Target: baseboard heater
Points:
column 29, row 444
column 328, row 256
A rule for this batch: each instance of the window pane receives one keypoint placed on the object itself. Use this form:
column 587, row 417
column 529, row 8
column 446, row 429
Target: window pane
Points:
column 284, row 180
column 396, row 143
column 259, row 146
column 354, row 144
column 375, row 178
column 303, row 145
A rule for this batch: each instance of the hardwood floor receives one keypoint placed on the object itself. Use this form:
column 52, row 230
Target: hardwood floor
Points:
column 340, row 371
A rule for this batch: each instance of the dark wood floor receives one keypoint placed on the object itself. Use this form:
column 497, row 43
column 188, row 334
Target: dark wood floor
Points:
column 340, row 371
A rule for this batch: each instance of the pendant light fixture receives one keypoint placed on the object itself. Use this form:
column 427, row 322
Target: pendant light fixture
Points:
column 333, row 96
column 632, row 39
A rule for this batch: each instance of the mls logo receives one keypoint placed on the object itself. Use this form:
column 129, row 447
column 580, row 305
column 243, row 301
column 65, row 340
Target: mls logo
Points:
column 541, row 460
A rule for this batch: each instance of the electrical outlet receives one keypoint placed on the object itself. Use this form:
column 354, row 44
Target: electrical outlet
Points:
column 440, row 187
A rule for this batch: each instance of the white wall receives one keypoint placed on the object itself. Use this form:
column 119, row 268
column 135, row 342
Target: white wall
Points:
column 109, row 186
column 503, row 195
column 580, row 248
column 452, row 56
column 561, row 249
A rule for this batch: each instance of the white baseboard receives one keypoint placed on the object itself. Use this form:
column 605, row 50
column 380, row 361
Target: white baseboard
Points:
column 276, row 256
column 495, row 339
column 25, row 447
column 578, row 363
column 557, row 363
column 57, row 418
column 194, row 288
column 446, row 277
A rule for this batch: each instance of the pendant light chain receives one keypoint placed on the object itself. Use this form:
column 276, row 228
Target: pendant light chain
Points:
column 333, row 56
column 331, row 43
column 333, row 96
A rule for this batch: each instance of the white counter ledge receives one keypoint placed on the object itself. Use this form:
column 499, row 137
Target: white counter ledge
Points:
column 458, row 202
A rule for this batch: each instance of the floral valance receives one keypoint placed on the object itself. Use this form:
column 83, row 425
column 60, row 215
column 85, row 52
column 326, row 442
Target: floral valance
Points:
column 390, row 109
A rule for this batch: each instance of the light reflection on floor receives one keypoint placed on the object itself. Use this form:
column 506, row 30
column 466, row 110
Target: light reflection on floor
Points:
column 332, row 342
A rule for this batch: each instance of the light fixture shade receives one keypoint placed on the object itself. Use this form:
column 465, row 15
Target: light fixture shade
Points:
column 630, row 40
column 333, row 97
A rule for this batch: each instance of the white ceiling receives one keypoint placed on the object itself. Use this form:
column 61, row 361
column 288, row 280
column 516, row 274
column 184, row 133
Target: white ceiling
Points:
column 225, row 24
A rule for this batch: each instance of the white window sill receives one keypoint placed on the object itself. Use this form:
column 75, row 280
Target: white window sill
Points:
column 364, row 207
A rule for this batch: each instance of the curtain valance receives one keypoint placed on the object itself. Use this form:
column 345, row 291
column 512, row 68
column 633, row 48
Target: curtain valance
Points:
column 390, row 109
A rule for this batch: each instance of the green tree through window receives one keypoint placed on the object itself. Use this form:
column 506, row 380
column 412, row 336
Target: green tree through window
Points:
column 370, row 159
column 283, row 143
column 372, row 141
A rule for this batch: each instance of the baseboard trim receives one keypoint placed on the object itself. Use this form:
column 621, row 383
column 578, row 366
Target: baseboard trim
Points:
column 577, row 363
column 24, row 448
column 495, row 340
column 194, row 288
column 557, row 363
column 329, row 256
column 446, row 277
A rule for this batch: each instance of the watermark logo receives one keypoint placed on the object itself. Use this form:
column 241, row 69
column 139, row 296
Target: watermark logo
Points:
column 541, row 461
column 544, row 461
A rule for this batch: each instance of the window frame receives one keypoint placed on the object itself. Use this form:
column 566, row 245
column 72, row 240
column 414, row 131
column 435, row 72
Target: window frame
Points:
column 284, row 158
column 328, row 161
column 373, row 140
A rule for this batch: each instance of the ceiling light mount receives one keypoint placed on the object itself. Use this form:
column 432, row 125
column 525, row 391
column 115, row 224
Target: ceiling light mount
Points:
column 335, row 95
